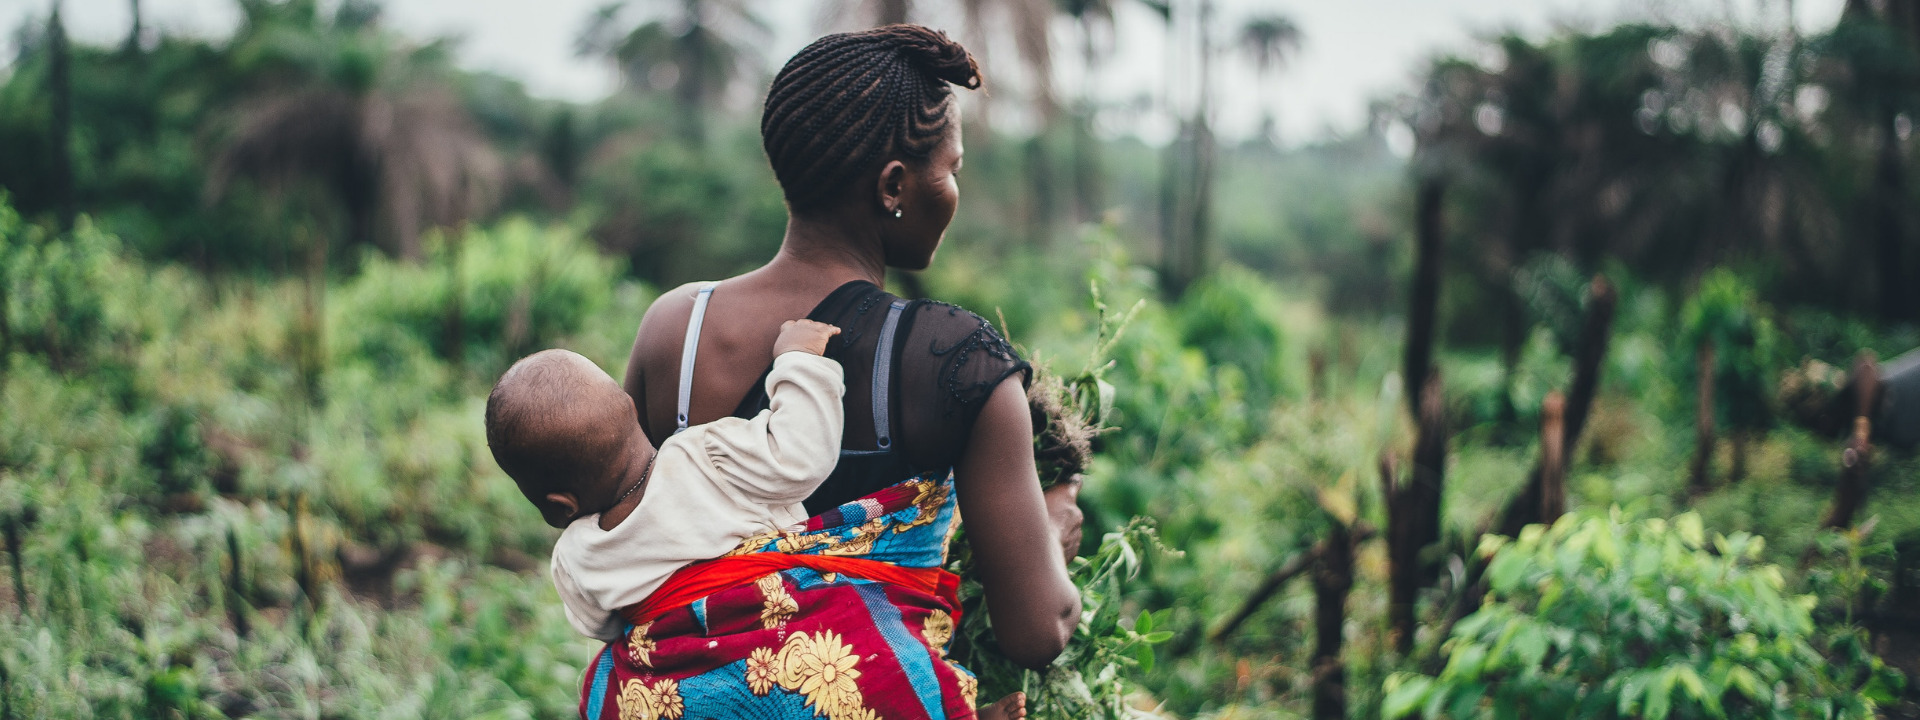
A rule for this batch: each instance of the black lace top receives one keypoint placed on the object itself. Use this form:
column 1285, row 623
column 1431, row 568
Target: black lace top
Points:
column 945, row 363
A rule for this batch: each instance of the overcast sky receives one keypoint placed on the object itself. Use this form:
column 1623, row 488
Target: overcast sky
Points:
column 1354, row 50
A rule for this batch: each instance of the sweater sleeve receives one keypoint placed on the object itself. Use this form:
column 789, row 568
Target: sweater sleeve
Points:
column 780, row 455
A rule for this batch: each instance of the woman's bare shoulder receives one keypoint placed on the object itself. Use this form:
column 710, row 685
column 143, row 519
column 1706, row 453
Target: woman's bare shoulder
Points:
column 667, row 316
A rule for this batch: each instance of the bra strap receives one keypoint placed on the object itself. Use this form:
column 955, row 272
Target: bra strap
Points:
column 689, row 348
column 883, row 375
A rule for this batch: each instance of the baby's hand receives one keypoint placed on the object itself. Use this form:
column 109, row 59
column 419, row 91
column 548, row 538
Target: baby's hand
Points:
column 805, row 336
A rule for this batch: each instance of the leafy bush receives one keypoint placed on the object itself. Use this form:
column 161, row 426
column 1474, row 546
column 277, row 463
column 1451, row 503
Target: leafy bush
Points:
column 1728, row 313
column 1606, row 617
column 519, row 287
column 54, row 290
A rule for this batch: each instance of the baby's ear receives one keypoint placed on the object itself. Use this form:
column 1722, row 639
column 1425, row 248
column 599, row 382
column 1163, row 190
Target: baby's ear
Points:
column 559, row 509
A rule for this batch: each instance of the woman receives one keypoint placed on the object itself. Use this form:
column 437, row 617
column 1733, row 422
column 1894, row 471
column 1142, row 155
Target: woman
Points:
column 851, row 616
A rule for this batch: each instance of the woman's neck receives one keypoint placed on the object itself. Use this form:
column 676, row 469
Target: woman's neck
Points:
column 825, row 250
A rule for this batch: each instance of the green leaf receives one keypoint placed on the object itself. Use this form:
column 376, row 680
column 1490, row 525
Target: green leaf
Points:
column 1158, row 636
column 1466, row 662
column 1143, row 624
column 1506, row 570
column 1405, row 692
column 1144, row 655
column 1690, row 529
column 1660, row 696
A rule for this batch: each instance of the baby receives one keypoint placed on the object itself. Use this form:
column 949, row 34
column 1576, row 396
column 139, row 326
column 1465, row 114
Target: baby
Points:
column 569, row 436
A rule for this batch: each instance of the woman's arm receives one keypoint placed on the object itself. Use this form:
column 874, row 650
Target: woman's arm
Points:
column 1012, row 529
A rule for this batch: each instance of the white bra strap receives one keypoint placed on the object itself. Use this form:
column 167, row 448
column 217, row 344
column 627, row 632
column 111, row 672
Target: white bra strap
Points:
column 689, row 348
column 883, row 376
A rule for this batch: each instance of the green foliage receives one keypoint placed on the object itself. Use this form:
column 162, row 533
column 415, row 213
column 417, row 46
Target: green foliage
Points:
column 518, row 285
column 1233, row 317
column 1727, row 312
column 55, row 291
column 681, row 211
column 1603, row 616
column 1095, row 677
column 181, row 423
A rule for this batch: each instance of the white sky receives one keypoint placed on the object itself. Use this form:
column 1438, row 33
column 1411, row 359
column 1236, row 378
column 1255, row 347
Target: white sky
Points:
column 1354, row 50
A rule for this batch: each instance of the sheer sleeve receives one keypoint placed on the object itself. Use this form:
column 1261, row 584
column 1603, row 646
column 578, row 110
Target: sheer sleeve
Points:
column 942, row 365
column 950, row 362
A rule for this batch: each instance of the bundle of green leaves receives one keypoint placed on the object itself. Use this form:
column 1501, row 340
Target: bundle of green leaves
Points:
column 1092, row 677
column 1602, row 616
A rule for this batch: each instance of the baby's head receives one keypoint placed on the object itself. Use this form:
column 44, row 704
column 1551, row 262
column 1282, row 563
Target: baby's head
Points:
column 567, row 434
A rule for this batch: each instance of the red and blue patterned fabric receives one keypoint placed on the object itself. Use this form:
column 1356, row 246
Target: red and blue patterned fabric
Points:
column 847, row 618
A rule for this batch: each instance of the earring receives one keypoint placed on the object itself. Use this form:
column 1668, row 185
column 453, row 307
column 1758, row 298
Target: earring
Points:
column 896, row 212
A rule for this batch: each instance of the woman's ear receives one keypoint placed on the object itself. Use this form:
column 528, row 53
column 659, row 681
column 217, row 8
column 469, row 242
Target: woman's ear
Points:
column 892, row 188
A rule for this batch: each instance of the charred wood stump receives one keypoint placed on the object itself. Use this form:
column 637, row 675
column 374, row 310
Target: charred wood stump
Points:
column 1300, row 564
column 1424, row 308
column 1703, row 440
column 1413, row 514
column 1851, row 492
column 1332, row 579
column 1553, row 458
column 236, row 588
column 1596, row 333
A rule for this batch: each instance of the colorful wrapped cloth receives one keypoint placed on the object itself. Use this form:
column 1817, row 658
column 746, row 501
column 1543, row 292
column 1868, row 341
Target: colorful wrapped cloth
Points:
column 850, row 617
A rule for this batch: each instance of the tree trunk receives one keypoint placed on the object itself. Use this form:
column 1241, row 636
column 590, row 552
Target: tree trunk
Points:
column 1703, row 422
column 1317, row 375
column 59, row 80
column 1553, row 458
column 13, row 527
column 1596, row 334
column 1851, row 492
column 236, row 589
column 313, row 351
column 1400, row 577
column 456, row 298
column 1740, row 439
column 132, row 45
column 1332, row 578
column 1424, row 308
column 1897, row 295
column 1413, row 511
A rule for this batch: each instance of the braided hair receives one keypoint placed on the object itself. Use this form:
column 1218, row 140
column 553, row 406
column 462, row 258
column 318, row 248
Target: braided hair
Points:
column 848, row 102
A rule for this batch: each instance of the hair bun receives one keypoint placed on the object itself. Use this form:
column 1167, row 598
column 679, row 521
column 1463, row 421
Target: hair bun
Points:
column 933, row 51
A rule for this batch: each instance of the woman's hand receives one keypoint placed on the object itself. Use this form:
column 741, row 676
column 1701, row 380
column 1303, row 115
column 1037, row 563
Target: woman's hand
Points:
column 1063, row 509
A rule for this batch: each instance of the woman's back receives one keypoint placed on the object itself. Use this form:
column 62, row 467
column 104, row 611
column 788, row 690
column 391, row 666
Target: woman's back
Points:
column 941, row 363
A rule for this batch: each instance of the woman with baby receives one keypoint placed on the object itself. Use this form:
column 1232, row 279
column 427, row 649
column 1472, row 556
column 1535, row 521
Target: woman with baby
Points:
column 848, row 612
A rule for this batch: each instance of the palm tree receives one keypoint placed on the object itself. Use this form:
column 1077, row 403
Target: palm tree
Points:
column 699, row 52
column 1271, row 40
column 59, row 77
column 370, row 140
column 1094, row 19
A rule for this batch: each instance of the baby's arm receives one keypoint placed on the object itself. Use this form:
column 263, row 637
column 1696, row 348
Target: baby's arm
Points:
column 782, row 454
column 587, row 618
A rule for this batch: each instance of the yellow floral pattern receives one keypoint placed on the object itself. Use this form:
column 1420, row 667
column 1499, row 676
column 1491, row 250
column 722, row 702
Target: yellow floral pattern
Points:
column 754, row 543
column 968, row 685
column 860, row 542
column 640, row 647
column 661, row 701
column 778, row 606
column 938, row 629
column 791, row 543
column 931, row 497
column 821, row 667
column 762, row 666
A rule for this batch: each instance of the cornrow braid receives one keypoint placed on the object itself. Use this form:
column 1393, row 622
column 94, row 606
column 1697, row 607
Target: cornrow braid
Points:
column 846, row 103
